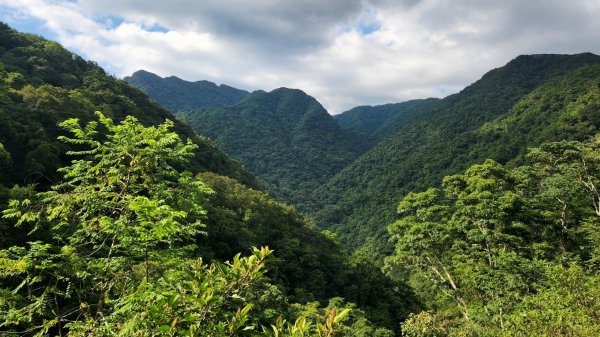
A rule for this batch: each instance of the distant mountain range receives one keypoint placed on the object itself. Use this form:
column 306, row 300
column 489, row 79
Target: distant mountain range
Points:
column 285, row 137
column 532, row 99
column 177, row 95
column 350, row 176
column 377, row 122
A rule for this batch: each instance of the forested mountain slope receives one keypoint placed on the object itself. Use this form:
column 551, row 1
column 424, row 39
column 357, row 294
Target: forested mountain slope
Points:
column 43, row 84
column 284, row 137
column 123, row 222
column 377, row 122
column 178, row 95
column 360, row 200
column 506, row 251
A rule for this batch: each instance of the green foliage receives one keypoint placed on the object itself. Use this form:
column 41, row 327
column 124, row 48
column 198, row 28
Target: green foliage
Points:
column 43, row 84
column 565, row 304
column 378, row 122
column 531, row 100
column 178, row 95
column 284, row 137
column 355, row 324
column 309, row 266
column 122, row 225
column 121, row 204
column 505, row 252
column 116, row 255
column 4, row 156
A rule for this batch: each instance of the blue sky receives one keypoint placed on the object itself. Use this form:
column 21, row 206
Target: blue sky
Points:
column 343, row 52
column 25, row 23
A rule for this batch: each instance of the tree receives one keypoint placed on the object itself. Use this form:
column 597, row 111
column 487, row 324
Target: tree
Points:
column 121, row 204
column 117, row 254
column 496, row 249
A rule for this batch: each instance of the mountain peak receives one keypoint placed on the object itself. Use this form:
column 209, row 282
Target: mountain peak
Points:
column 143, row 72
column 284, row 136
column 177, row 94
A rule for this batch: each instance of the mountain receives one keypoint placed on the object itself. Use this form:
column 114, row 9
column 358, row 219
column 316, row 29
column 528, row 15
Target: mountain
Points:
column 284, row 137
column 377, row 122
column 44, row 84
column 531, row 99
column 177, row 95
column 309, row 266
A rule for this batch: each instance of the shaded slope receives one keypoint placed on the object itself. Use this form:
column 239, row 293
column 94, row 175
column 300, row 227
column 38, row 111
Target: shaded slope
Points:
column 285, row 137
column 377, row 122
column 177, row 95
column 308, row 265
column 43, row 84
column 360, row 201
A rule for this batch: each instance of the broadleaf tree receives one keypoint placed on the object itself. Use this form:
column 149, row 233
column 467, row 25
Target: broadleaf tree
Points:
column 116, row 254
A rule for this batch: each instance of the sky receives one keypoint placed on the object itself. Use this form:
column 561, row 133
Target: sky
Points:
column 345, row 53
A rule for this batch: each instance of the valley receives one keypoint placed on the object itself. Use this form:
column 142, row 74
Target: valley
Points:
column 155, row 206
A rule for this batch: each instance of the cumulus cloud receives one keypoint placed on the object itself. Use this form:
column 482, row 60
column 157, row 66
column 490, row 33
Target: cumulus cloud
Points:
column 343, row 52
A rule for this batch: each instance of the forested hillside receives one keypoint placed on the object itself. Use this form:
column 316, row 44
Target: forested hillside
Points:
column 178, row 95
column 285, row 137
column 473, row 215
column 376, row 122
column 360, row 200
column 499, row 251
column 43, row 84
column 111, row 230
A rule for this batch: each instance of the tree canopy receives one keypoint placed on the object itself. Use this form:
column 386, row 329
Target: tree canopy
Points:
column 117, row 252
column 490, row 252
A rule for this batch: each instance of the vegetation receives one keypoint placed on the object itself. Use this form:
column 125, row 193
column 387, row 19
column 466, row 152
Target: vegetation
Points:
column 42, row 84
column 285, row 137
column 122, row 233
column 506, row 252
column 377, row 122
column 178, row 95
column 120, row 223
column 531, row 100
column 115, row 252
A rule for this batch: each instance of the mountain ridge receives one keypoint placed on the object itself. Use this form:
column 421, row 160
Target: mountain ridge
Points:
column 44, row 84
column 177, row 94
column 360, row 200
column 377, row 122
column 285, row 137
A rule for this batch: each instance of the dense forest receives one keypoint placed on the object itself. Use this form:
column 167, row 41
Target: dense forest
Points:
column 532, row 99
column 43, row 84
column 179, row 95
column 122, row 220
column 400, row 147
column 284, row 137
column 473, row 215
column 376, row 122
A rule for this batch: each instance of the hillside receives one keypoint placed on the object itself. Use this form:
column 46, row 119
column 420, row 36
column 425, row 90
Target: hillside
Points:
column 361, row 200
column 377, row 122
column 44, row 84
column 127, row 204
column 284, row 137
column 178, row 95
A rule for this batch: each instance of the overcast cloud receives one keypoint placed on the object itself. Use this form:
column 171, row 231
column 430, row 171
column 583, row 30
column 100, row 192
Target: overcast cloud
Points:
column 343, row 52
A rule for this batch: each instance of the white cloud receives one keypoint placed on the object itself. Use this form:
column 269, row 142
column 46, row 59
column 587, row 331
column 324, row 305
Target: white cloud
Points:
column 343, row 52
